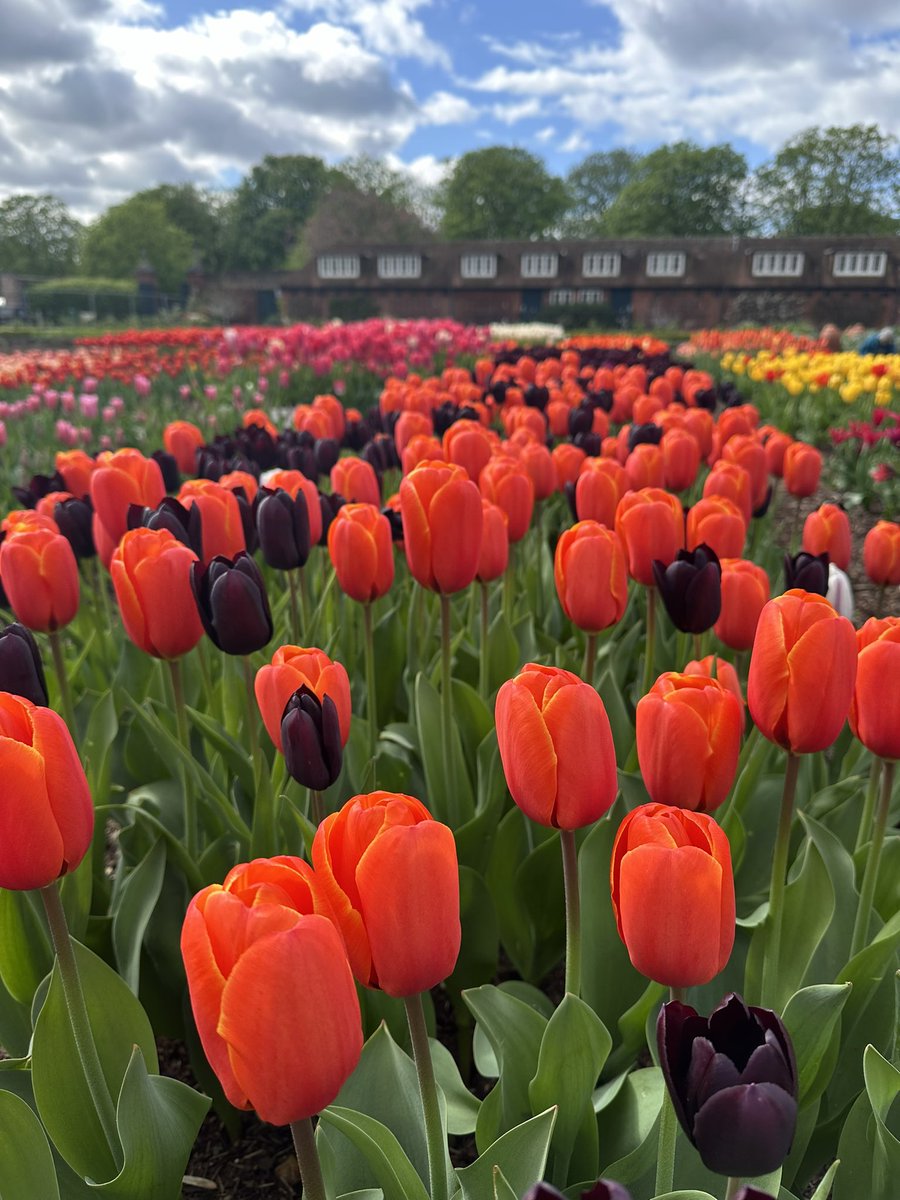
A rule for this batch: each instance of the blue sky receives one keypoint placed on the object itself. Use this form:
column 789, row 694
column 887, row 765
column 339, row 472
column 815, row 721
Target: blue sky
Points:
column 99, row 98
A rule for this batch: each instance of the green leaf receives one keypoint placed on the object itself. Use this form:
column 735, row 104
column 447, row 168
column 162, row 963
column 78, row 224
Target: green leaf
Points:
column 823, row 1191
column 25, row 952
column 521, row 1154
column 393, row 1170
column 503, row 653
column 480, row 936
column 573, row 1050
column 629, row 1126
column 60, row 1089
column 462, row 1106
column 474, row 721
column 502, row 1187
column 454, row 810
column 389, row 639
column 157, row 1119
column 686, row 1195
column 812, row 1018
column 26, row 1163
column 869, row 1151
column 133, row 904
column 620, row 721
column 103, row 725
column 233, row 753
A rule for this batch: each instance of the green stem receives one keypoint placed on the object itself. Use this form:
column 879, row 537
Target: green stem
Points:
column 295, row 611
column 262, row 833
column 79, row 1020
column 316, row 807
column 434, row 1130
column 870, row 876
column 483, row 679
column 100, row 582
column 65, row 694
column 372, row 699
column 698, row 647
column 573, row 911
column 865, row 822
column 190, row 809
column 308, row 1159
column 734, row 1186
column 668, row 1130
column 590, row 658
column 779, row 880
column 651, row 640
column 447, row 709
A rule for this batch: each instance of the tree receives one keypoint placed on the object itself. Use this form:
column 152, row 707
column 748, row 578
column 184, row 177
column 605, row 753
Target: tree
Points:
column 135, row 231
column 38, row 236
column 199, row 214
column 270, row 207
column 593, row 186
column 682, row 190
column 347, row 215
column 832, row 181
column 501, row 192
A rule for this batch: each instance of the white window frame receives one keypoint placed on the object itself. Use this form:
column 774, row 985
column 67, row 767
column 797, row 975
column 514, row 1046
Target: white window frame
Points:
column 859, row 264
column 591, row 296
column 338, row 266
column 601, row 264
column 399, row 266
column 559, row 296
column 666, row 264
column 478, row 266
column 784, row 264
column 539, row 265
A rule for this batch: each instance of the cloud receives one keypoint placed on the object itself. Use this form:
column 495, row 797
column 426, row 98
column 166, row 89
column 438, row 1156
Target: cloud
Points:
column 386, row 26
column 444, row 108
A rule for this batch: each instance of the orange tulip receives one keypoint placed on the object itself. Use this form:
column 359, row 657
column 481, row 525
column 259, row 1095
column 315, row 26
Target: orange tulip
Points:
column 76, row 468
column 732, row 481
column 699, row 424
column 875, row 709
column 827, row 531
column 881, row 553
column 355, row 480
column 718, row 522
column 650, row 523
column 688, row 741
column 599, row 488
column 673, row 894
column 746, row 452
column 802, row 672
column 240, row 479
column 119, row 480
column 494, row 557
column 182, row 440
column 359, row 544
column 775, row 447
column 538, row 462
column 419, row 448
column 591, row 577
column 24, row 520
column 567, row 460
column 645, row 467
column 802, row 468
column 442, row 521
column 745, row 592
column 290, row 668
column 681, row 459
column 546, row 719
column 271, row 989
column 46, row 812
column 331, row 405
column 40, row 576
column 469, row 445
column 713, row 667
column 223, row 528
column 151, row 575
column 389, row 873
column 505, row 481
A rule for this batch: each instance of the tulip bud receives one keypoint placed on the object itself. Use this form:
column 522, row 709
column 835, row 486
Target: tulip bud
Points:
column 745, row 592
column 828, row 529
column 283, row 528
column 875, row 710
column 329, row 506
column 691, row 588
column 184, row 524
column 802, row 467
column 590, row 575
column 881, row 554
column 650, row 523
column 806, row 571
column 442, row 524
column 40, row 576
column 607, row 1189
column 21, row 669
column 840, row 592
column 733, row 1082
column 74, row 518
column 361, row 552
column 311, row 738
column 169, row 469
column 232, row 602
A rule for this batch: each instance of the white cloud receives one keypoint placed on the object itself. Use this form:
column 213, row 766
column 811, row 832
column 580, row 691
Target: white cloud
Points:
column 509, row 114
column 443, row 108
column 546, row 134
column 385, row 26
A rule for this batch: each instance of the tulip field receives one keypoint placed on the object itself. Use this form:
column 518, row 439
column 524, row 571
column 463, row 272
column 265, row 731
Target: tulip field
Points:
column 440, row 768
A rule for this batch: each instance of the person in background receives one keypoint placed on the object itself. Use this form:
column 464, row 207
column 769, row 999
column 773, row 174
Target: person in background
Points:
column 830, row 336
column 878, row 343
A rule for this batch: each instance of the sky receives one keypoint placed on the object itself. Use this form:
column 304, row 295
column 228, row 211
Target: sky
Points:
column 100, row 98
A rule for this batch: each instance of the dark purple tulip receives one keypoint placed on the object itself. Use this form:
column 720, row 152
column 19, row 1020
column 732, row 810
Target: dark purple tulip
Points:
column 21, row 669
column 764, row 507
column 543, row 1191
column 806, row 571
column 302, row 459
column 536, row 397
column 248, row 519
column 75, row 520
column 329, row 505
column 569, row 490
column 210, row 465
column 395, row 520
column 603, row 399
column 591, row 443
column 38, row 487
column 650, row 433
column 283, row 528
column 607, row 1189
column 752, row 1193
column 311, row 737
column 733, row 1082
column 691, row 588
column 169, row 470
column 327, row 452
column 184, row 524
column 232, row 602
column 581, row 419
column 381, row 453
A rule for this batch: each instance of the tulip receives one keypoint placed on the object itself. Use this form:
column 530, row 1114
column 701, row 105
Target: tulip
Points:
column 21, row 669
column 840, row 592
column 74, row 519
column 733, row 1081
column 645, row 466
column 184, row 524
column 151, row 575
column 806, row 571
column 40, row 577
column 745, row 592
column 713, row 667
column 272, row 993
column 568, row 460
column 389, row 873
column 691, row 588
column 688, row 741
column 802, row 468
column 827, row 530
column 538, row 462
column 361, row 550
column 232, row 602
column 469, row 445
column 673, row 894
column 775, row 448
column 76, row 468
column 603, row 1189
column 223, row 526
column 493, row 558
column 719, row 523
column 599, row 488
column 442, row 526
column 46, row 812
column 311, row 737
column 875, row 708
column 746, row 451
column 505, row 481
column 650, row 523
column 590, row 574
column 329, row 505
column 356, row 479
column 881, row 554
column 732, row 482
column 283, row 528
column 182, row 440
column 291, row 668
column 545, row 718
column 119, row 480
column 168, row 469
column 294, row 482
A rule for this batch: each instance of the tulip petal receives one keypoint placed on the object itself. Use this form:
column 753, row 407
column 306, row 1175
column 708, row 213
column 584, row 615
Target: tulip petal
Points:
column 746, row 1130
column 526, row 750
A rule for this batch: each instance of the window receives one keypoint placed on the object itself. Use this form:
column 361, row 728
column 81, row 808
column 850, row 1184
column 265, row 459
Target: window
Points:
column 599, row 266
column 670, row 264
column 478, row 266
column 591, row 296
column 777, row 262
column 539, row 266
column 856, row 262
column 561, row 296
column 399, row 266
column 338, row 266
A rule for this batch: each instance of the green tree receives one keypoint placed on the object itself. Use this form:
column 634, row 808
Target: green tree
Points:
column 270, row 207
column 832, row 181
column 501, row 192
column 135, row 231
column 38, row 236
column 594, row 185
column 682, row 190
column 198, row 213
column 346, row 216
